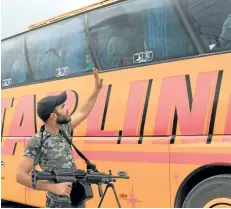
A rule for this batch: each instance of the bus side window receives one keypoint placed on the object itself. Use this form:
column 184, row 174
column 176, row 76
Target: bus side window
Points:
column 212, row 21
column 140, row 31
column 14, row 65
column 59, row 50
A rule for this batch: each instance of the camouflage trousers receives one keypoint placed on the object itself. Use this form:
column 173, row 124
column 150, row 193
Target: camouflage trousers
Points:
column 53, row 204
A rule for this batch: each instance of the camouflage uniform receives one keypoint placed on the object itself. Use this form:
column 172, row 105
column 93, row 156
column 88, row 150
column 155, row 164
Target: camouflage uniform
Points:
column 56, row 153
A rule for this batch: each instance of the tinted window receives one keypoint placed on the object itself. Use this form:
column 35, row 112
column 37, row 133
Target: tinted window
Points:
column 59, row 50
column 14, row 66
column 138, row 31
column 212, row 21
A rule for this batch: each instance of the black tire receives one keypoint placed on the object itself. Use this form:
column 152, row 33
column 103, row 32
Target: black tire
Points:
column 212, row 188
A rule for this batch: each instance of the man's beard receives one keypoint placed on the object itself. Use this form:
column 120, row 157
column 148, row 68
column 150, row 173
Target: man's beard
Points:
column 63, row 120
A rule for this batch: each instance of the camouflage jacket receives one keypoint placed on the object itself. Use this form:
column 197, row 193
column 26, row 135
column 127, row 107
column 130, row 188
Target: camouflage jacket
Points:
column 56, row 153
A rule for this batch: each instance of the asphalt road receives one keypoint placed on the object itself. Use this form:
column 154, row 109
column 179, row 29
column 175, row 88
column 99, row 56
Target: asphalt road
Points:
column 7, row 204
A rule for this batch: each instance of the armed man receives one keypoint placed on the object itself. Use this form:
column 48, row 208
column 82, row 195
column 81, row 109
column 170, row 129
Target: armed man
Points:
column 55, row 151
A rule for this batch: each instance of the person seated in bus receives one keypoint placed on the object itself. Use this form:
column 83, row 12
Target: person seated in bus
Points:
column 72, row 52
column 88, row 63
column 56, row 152
column 14, row 62
column 6, row 66
column 225, row 37
column 73, row 45
column 47, row 58
column 19, row 69
column 127, row 41
column 116, row 51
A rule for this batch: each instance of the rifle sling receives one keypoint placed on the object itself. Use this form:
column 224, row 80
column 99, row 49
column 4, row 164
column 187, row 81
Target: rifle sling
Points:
column 38, row 153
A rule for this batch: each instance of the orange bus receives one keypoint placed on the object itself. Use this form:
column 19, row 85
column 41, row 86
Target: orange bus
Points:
column 163, row 114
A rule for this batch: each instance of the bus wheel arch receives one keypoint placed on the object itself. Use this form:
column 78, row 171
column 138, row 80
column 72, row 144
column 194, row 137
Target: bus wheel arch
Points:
column 197, row 177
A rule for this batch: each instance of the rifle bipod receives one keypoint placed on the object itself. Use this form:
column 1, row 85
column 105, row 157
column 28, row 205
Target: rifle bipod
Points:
column 113, row 188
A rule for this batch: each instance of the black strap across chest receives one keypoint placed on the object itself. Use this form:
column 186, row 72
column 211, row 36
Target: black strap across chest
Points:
column 64, row 135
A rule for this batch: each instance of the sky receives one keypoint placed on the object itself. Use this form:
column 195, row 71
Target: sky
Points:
column 17, row 15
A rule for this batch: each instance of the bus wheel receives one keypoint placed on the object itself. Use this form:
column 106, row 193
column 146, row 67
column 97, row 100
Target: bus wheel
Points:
column 214, row 192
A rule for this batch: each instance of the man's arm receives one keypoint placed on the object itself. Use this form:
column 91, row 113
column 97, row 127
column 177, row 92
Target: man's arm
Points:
column 23, row 177
column 81, row 115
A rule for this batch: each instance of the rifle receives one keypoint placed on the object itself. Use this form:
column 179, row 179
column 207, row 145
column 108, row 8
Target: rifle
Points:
column 81, row 187
column 82, row 182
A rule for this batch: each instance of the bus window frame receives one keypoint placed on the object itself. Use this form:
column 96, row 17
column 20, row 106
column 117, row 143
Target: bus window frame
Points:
column 94, row 57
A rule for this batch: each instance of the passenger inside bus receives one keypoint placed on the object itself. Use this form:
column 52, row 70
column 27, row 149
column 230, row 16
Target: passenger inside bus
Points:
column 211, row 21
column 19, row 69
column 15, row 66
column 153, row 27
column 118, row 33
column 74, row 46
column 56, row 47
column 225, row 38
column 127, row 39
